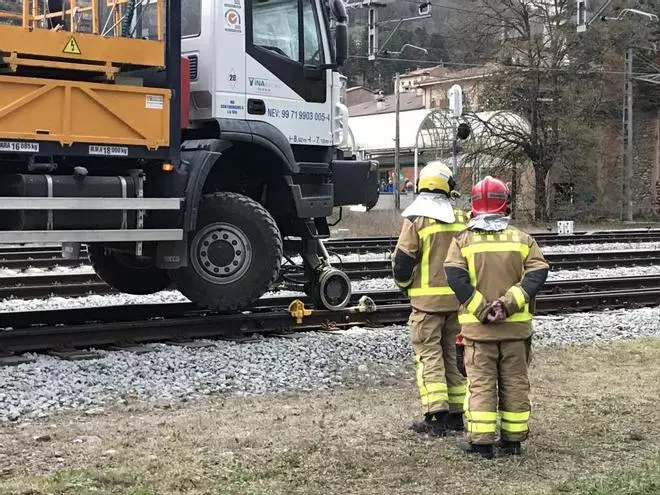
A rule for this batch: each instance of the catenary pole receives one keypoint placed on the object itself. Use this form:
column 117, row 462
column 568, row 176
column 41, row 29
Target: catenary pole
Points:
column 628, row 136
column 397, row 163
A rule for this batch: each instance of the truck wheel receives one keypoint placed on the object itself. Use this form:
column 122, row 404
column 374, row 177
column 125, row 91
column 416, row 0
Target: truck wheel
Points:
column 234, row 255
column 126, row 273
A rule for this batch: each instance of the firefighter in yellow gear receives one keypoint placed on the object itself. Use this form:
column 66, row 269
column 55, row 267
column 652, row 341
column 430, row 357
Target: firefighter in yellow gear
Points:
column 429, row 225
column 495, row 271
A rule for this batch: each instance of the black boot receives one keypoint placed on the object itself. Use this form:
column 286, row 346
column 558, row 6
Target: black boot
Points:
column 510, row 448
column 433, row 424
column 485, row 451
column 455, row 422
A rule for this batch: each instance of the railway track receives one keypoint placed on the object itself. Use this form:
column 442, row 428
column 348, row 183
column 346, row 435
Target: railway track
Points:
column 378, row 244
column 73, row 285
column 21, row 257
column 39, row 331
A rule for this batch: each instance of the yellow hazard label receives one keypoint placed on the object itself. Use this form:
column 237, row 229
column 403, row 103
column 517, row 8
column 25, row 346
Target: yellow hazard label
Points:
column 72, row 47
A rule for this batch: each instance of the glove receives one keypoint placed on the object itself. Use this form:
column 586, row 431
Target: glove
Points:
column 484, row 315
column 460, row 360
column 496, row 312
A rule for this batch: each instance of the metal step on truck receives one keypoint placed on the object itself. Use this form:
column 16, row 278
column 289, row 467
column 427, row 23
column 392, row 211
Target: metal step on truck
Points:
column 187, row 143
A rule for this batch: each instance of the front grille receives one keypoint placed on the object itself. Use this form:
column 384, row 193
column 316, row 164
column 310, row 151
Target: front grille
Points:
column 193, row 67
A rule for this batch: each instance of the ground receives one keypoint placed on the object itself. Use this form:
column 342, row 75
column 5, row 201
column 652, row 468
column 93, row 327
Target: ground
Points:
column 595, row 431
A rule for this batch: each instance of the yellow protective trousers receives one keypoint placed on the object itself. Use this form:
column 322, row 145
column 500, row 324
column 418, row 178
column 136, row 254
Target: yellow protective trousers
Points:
column 497, row 384
column 441, row 386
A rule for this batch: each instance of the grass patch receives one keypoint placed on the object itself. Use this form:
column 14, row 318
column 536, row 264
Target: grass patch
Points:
column 83, row 481
column 595, row 431
column 638, row 482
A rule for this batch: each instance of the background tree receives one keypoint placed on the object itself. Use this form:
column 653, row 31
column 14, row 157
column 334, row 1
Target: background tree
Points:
column 567, row 86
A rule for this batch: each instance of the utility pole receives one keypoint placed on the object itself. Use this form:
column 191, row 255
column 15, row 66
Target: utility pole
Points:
column 375, row 49
column 627, row 209
column 372, row 27
column 397, row 163
column 455, row 97
column 454, row 150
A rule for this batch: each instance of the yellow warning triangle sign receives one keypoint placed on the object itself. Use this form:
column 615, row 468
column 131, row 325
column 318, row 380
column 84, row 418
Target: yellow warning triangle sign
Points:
column 71, row 47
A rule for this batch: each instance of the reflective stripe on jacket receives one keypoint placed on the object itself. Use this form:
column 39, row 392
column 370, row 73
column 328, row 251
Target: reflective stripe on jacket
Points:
column 417, row 262
column 506, row 265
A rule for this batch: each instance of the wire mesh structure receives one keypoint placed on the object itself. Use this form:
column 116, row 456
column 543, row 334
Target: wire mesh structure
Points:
column 432, row 131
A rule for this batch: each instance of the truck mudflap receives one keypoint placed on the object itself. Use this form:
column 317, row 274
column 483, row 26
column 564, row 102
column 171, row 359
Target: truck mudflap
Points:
column 355, row 182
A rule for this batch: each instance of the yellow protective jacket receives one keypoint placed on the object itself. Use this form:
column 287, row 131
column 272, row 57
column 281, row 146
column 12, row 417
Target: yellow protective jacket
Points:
column 484, row 266
column 417, row 262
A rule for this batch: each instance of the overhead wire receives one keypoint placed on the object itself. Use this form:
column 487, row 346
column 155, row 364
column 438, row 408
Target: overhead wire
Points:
column 507, row 67
column 440, row 6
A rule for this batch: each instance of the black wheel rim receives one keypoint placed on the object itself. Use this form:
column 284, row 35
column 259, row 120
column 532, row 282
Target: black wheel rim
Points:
column 221, row 253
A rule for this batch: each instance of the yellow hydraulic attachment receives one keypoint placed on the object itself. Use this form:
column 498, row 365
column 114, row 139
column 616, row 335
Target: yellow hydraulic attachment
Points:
column 74, row 38
column 298, row 311
column 89, row 43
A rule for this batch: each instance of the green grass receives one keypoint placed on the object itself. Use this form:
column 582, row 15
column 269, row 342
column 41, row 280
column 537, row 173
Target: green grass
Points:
column 595, row 430
column 637, row 482
column 85, row 481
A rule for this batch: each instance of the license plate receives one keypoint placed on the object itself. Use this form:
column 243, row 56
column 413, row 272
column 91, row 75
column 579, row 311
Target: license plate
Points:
column 19, row 147
column 108, row 150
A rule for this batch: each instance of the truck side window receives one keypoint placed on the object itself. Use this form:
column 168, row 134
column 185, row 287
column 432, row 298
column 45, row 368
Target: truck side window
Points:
column 311, row 35
column 275, row 27
column 191, row 18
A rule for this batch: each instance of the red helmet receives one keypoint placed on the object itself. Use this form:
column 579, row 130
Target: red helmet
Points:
column 490, row 195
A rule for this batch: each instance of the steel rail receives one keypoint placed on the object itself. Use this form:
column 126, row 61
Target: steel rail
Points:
column 43, row 260
column 74, row 285
column 50, row 255
column 156, row 323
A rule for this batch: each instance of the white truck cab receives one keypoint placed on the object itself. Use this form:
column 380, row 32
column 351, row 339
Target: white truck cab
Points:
column 265, row 93
column 269, row 61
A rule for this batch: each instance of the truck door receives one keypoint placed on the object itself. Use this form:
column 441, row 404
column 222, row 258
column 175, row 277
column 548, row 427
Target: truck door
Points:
column 285, row 84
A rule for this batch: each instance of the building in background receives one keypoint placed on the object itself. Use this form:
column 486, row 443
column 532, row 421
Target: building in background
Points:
column 426, row 128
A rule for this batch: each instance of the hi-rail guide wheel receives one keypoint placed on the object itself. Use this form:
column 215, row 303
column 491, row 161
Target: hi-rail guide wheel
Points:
column 333, row 289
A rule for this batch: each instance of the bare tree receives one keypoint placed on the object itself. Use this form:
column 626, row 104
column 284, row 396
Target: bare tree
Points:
column 549, row 76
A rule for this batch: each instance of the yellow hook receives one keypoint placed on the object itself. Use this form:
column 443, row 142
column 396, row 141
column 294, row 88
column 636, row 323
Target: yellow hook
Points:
column 298, row 311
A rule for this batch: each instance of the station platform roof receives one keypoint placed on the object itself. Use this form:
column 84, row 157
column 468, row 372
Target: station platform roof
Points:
column 428, row 129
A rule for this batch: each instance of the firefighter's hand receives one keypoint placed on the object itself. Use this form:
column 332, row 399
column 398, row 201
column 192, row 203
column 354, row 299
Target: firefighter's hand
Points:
column 496, row 312
column 484, row 315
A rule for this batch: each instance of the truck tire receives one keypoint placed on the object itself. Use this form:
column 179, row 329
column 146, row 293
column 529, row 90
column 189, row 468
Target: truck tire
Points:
column 234, row 255
column 126, row 273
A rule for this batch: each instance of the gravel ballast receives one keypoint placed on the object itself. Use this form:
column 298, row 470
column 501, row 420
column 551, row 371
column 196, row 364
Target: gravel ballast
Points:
column 569, row 248
column 55, row 270
column 612, row 246
column 599, row 273
column 310, row 361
